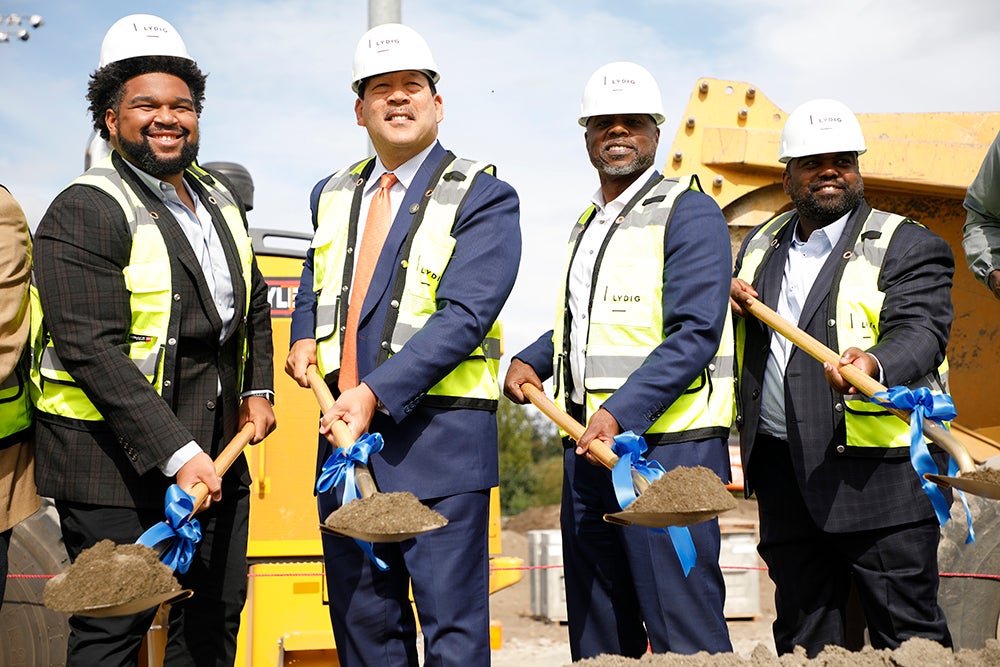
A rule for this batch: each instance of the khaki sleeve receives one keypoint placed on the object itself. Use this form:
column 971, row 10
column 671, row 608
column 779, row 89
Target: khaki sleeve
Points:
column 15, row 277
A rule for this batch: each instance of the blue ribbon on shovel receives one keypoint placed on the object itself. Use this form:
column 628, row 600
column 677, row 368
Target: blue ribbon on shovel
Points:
column 340, row 467
column 630, row 447
column 181, row 532
column 179, row 535
column 939, row 408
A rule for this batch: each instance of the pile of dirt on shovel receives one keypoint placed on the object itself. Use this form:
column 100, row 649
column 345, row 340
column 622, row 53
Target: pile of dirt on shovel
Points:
column 385, row 514
column 988, row 475
column 685, row 489
column 915, row 652
column 109, row 574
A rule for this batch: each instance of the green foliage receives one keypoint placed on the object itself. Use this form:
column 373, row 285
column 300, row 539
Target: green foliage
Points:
column 530, row 458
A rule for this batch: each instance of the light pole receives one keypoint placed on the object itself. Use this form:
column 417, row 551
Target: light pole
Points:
column 13, row 27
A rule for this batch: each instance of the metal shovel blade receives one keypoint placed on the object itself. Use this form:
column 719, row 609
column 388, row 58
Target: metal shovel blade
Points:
column 661, row 519
column 134, row 606
column 974, row 486
column 362, row 475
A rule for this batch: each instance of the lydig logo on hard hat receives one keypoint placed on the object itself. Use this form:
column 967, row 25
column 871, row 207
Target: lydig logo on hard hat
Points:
column 825, row 120
column 384, row 44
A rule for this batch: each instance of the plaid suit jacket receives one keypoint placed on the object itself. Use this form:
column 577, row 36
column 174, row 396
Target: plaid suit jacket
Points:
column 843, row 491
column 82, row 245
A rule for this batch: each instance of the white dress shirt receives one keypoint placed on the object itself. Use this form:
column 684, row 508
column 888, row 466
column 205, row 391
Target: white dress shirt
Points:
column 581, row 276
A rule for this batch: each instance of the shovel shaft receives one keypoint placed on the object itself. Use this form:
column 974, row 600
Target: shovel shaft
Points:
column 341, row 432
column 225, row 459
column 858, row 378
column 575, row 429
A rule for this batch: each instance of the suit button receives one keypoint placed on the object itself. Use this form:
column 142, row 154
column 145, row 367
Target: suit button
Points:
column 167, row 383
column 755, row 395
column 171, row 341
column 210, row 405
column 739, row 421
column 177, row 297
column 838, row 407
column 385, row 345
column 841, row 449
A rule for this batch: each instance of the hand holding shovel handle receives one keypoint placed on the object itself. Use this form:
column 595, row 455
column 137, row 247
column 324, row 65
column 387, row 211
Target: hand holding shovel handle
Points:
column 575, row 429
column 225, row 459
column 866, row 384
column 341, row 432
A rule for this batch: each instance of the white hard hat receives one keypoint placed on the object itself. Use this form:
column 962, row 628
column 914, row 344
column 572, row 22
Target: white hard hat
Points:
column 141, row 35
column 821, row 126
column 618, row 88
column 391, row 47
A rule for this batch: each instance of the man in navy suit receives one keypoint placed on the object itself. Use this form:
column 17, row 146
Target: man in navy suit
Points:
column 427, row 353
column 642, row 343
column 839, row 501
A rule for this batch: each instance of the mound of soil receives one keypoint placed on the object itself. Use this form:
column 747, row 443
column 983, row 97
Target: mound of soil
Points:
column 109, row 574
column 385, row 514
column 915, row 652
column 685, row 489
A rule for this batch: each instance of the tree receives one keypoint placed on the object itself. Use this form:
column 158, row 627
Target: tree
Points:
column 530, row 458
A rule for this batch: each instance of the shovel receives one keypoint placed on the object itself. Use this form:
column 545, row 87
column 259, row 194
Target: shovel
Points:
column 608, row 459
column 199, row 492
column 869, row 386
column 362, row 475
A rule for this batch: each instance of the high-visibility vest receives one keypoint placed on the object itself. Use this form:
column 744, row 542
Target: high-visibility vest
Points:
column 426, row 253
column 854, row 311
column 148, row 280
column 625, row 322
column 15, row 404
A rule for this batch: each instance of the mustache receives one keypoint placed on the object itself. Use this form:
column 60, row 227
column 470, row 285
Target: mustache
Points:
column 183, row 132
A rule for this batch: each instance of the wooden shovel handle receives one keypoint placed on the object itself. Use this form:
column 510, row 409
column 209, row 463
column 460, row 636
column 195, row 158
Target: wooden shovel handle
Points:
column 865, row 383
column 575, row 429
column 341, row 432
column 226, row 457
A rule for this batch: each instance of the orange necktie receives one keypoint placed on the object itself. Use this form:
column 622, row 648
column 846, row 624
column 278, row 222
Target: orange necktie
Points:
column 376, row 229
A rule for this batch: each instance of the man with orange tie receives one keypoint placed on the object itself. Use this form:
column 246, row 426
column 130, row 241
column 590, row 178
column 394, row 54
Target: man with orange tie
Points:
column 414, row 255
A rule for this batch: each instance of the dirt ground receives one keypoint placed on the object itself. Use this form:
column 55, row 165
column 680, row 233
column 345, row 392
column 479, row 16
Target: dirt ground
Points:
column 529, row 640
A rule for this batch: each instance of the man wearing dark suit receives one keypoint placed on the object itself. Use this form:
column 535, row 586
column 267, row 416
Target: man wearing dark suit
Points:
column 838, row 498
column 424, row 371
column 642, row 343
column 156, row 325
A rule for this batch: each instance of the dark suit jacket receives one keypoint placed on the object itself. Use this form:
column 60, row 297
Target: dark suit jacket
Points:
column 81, row 246
column 696, row 257
column 844, row 491
column 428, row 451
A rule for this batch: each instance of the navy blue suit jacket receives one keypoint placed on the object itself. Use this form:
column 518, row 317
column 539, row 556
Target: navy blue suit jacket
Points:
column 845, row 491
column 697, row 256
column 428, row 451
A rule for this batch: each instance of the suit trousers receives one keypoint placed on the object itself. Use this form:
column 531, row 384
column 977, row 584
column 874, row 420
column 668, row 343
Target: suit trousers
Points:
column 203, row 629
column 373, row 621
column 4, row 546
column 625, row 588
column 894, row 569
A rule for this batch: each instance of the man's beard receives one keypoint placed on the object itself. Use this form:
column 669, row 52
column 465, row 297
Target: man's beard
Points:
column 142, row 155
column 824, row 213
column 640, row 163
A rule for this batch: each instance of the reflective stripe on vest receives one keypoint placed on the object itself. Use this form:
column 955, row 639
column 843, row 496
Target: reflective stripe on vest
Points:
column 147, row 277
column 855, row 307
column 427, row 251
column 626, row 320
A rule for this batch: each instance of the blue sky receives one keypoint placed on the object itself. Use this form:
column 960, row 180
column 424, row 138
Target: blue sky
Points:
column 279, row 99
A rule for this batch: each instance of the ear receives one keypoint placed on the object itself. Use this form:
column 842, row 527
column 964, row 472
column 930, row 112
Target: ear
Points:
column 358, row 103
column 439, row 107
column 786, row 182
column 111, row 120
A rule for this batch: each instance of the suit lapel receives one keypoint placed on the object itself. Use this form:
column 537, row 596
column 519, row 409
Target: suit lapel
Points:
column 177, row 242
column 820, row 292
column 389, row 258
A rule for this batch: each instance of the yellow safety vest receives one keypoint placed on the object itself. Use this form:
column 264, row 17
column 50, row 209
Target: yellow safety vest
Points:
column 15, row 404
column 426, row 253
column 148, row 280
column 626, row 323
column 855, row 306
